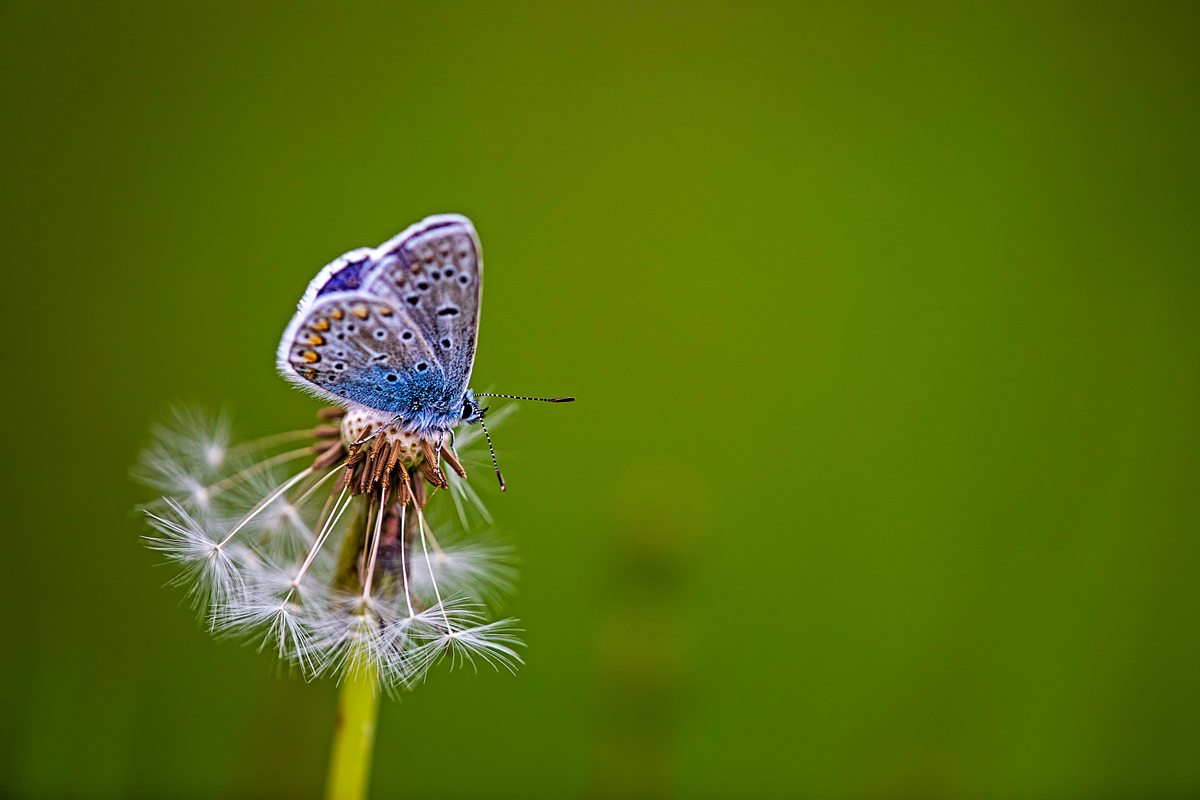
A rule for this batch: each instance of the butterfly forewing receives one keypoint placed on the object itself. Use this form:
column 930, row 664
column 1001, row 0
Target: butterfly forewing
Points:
column 433, row 271
column 393, row 328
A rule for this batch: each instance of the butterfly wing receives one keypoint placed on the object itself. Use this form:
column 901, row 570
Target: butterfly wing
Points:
column 434, row 272
column 355, row 347
column 344, row 274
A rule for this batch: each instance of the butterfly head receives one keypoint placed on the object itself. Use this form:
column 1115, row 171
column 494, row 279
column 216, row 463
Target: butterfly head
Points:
column 471, row 412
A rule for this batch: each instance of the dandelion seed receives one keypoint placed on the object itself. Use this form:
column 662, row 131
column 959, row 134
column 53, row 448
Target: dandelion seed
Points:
column 492, row 643
column 210, row 568
column 187, row 451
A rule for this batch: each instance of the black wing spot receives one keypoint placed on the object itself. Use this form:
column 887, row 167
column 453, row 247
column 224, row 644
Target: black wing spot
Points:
column 391, row 377
column 464, row 280
column 380, row 333
column 422, row 367
column 448, row 311
column 406, row 335
column 339, row 365
column 412, row 299
column 422, row 285
column 446, row 343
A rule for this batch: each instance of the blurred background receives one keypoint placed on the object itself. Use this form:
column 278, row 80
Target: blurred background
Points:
column 883, row 321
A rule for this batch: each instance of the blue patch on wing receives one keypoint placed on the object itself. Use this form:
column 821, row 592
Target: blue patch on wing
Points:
column 421, row 397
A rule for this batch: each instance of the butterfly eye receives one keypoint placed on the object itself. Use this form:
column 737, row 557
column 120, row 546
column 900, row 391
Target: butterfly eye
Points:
column 466, row 409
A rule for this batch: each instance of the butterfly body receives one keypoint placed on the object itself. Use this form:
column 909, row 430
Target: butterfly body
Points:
column 393, row 328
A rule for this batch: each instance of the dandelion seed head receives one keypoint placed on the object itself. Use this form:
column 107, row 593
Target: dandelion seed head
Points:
column 305, row 548
column 362, row 421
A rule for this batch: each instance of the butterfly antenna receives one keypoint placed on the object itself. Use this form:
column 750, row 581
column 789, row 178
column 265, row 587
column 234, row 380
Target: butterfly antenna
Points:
column 539, row 399
column 492, row 450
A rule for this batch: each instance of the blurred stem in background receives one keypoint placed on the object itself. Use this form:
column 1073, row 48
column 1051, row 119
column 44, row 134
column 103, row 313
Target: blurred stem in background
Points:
column 643, row 640
column 353, row 735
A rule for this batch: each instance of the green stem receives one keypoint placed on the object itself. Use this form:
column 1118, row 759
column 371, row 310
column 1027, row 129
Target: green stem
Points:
column 353, row 735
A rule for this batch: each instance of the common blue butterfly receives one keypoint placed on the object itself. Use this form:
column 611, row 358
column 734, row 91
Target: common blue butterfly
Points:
column 392, row 329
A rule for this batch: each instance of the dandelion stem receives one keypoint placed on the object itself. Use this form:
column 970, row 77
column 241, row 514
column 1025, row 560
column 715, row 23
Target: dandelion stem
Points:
column 353, row 735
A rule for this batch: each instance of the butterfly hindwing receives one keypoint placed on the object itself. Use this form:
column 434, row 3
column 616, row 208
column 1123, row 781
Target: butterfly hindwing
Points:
column 434, row 272
column 360, row 348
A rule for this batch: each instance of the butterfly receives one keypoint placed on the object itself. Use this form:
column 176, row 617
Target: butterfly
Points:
column 394, row 329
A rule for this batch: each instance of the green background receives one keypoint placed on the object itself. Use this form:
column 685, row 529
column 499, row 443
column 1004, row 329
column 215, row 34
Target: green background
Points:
column 884, row 325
